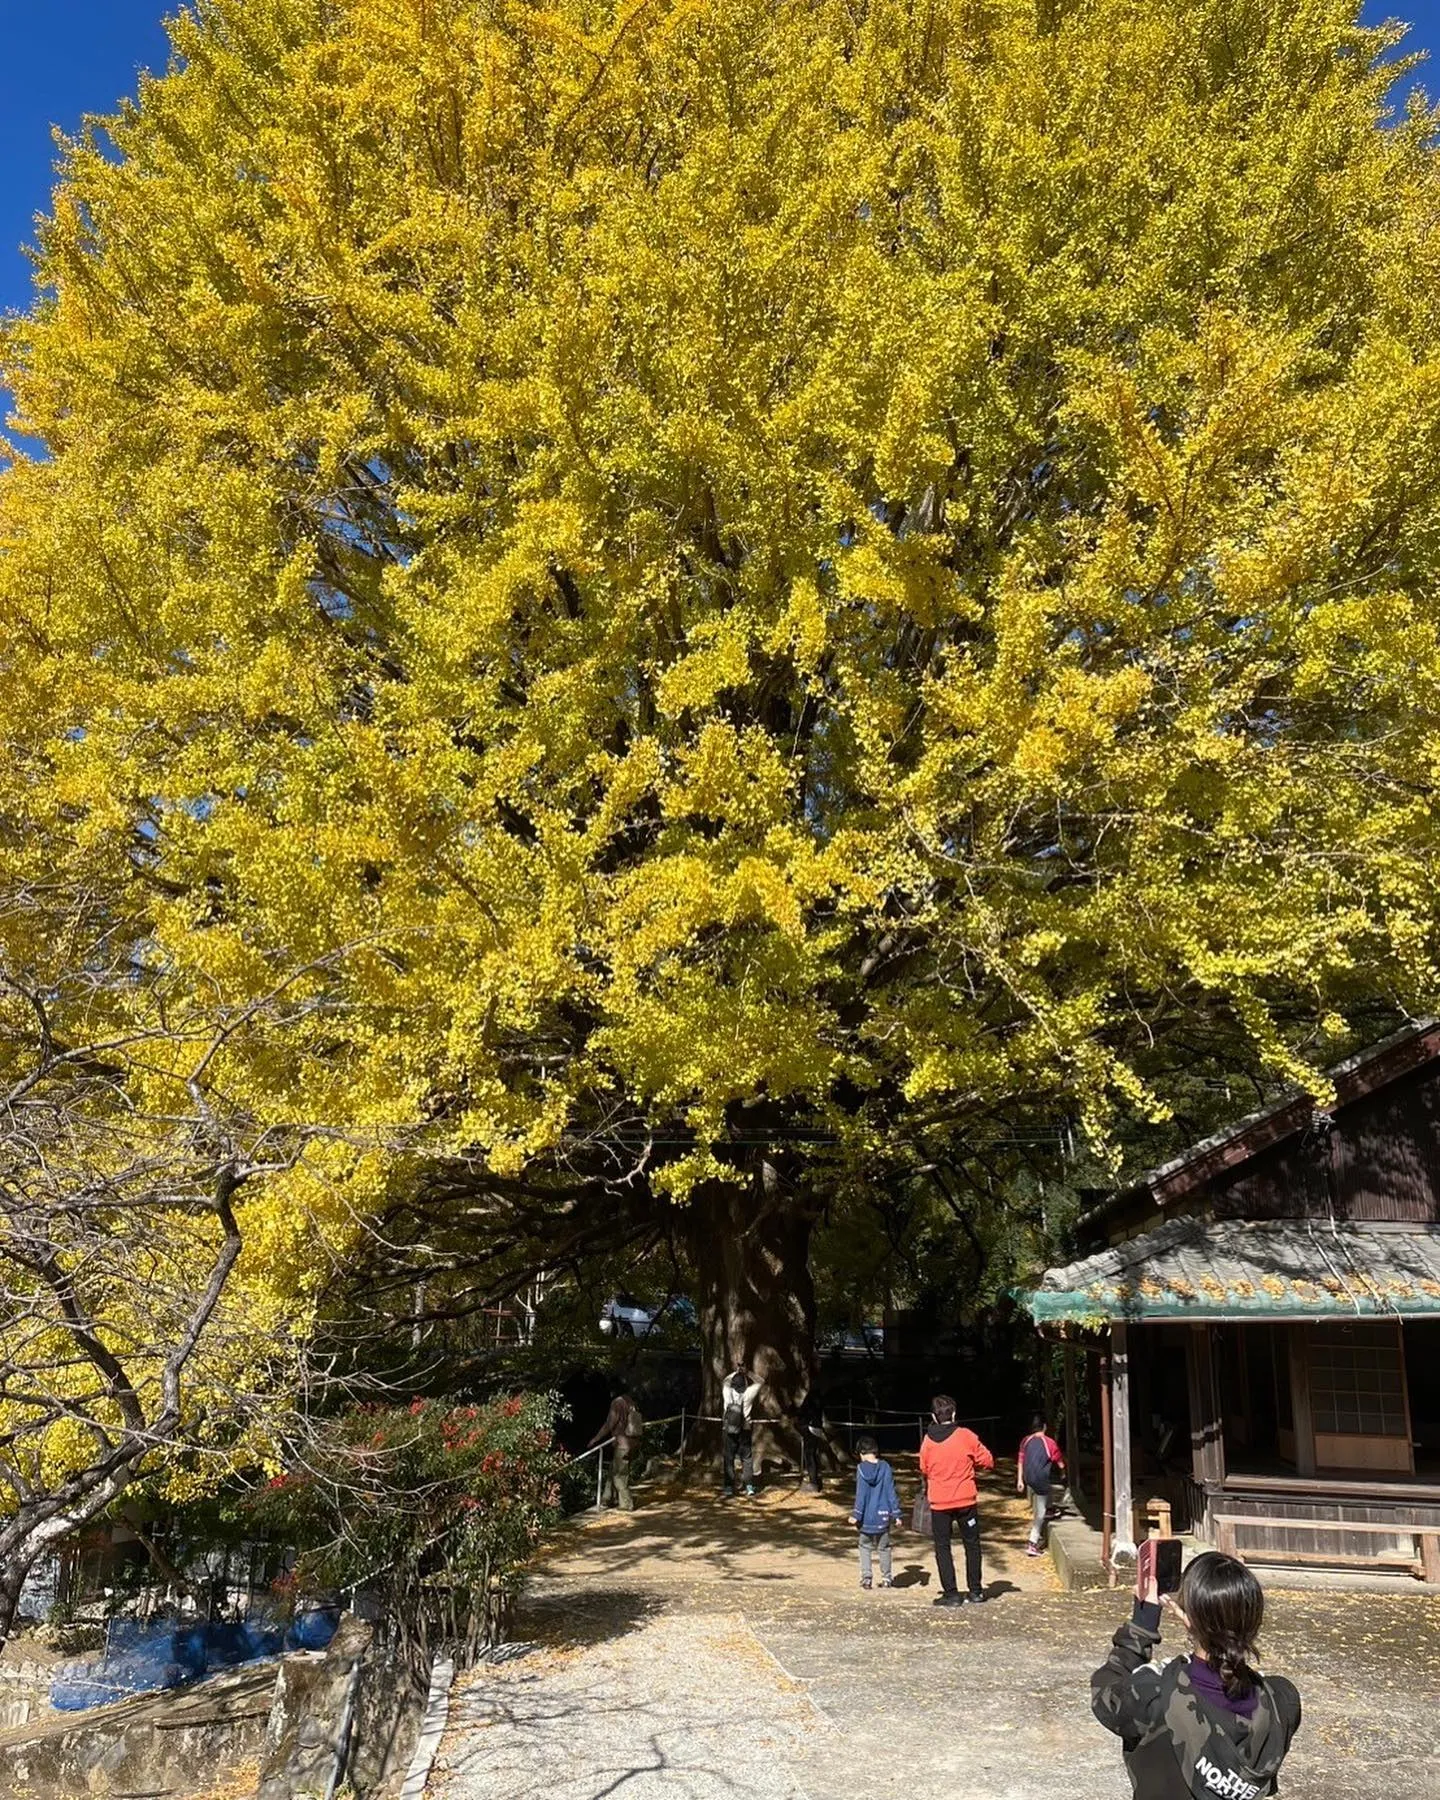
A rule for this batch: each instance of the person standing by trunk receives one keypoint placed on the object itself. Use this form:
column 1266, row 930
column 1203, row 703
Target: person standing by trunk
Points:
column 950, row 1454
column 624, row 1425
column 810, row 1422
column 1039, row 1459
column 738, row 1393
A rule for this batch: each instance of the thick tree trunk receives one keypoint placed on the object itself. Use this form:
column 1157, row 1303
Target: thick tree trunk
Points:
column 750, row 1247
column 12, row 1580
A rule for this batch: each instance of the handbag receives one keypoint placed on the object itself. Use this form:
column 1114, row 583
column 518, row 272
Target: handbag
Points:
column 920, row 1512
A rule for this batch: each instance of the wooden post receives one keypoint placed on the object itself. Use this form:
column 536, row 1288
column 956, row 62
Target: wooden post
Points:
column 1072, row 1421
column 1405, row 1394
column 1207, row 1428
column 1107, row 1472
column 1124, row 1545
column 1051, row 1402
column 1300, row 1400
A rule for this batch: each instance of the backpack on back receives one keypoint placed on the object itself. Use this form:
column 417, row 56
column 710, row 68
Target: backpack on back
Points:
column 1035, row 1464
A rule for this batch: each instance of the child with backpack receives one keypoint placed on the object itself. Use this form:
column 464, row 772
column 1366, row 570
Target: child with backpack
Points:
column 1037, row 1463
column 1205, row 1724
column 876, row 1509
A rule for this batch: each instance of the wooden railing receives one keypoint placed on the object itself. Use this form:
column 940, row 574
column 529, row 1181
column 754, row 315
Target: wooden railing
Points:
column 1423, row 1563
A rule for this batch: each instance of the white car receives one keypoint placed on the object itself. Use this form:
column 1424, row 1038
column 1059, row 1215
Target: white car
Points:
column 623, row 1315
column 869, row 1340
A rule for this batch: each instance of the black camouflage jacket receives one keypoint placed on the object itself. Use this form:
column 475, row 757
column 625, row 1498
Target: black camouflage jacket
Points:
column 1177, row 1745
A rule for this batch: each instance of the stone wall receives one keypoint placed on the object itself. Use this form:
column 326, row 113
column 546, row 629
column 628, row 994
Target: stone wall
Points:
column 351, row 1699
column 168, row 1746
column 24, row 1689
column 289, row 1717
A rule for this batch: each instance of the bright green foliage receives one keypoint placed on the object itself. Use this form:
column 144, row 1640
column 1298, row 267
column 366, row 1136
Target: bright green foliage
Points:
column 876, row 557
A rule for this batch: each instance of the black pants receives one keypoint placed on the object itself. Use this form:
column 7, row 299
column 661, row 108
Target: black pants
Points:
column 810, row 1456
column 967, row 1522
column 741, row 1444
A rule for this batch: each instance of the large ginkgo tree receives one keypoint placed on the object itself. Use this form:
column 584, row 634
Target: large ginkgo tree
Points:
column 741, row 592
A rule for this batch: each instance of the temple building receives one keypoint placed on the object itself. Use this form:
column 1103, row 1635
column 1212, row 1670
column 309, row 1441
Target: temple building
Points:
column 1260, row 1319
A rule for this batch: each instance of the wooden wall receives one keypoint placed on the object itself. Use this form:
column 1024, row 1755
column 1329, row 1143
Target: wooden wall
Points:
column 1280, row 1499
column 1379, row 1161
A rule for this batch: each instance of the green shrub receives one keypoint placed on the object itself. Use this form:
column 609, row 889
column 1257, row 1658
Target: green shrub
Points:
column 431, row 1509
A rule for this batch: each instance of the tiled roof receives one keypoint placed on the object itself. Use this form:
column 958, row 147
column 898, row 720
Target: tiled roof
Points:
column 1237, row 1269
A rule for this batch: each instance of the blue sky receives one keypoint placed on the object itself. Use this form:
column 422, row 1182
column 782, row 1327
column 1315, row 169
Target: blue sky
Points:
column 68, row 57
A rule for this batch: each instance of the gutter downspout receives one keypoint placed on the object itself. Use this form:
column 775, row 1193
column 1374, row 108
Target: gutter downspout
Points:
column 1107, row 1470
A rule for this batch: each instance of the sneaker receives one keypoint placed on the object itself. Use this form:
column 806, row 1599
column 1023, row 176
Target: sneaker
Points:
column 886, row 1582
column 727, row 1493
column 749, row 1490
column 948, row 1600
column 865, row 1582
column 1033, row 1550
column 976, row 1599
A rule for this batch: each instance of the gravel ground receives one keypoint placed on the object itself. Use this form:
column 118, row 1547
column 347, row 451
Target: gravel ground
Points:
column 684, row 1704
column 704, row 1651
column 995, row 1704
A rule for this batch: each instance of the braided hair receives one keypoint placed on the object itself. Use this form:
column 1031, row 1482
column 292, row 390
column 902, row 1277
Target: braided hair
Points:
column 1226, row 1608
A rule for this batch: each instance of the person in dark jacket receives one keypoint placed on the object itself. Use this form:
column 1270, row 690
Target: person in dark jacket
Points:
column 1207, row 1726
column 810, row 1423
column 876, row 1509
column 624, row 1427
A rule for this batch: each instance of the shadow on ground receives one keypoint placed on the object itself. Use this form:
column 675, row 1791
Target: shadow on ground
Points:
column 654, row 1630
column 784, row 1538
column 577, row 1617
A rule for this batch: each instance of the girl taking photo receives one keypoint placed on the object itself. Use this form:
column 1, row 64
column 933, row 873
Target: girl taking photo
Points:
column 1207, row 1726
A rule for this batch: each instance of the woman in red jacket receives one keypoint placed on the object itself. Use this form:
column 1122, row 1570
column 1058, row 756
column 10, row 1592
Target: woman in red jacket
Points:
column 949, row 1456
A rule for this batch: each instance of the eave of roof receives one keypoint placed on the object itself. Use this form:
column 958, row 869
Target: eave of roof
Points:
column 1232, row 1269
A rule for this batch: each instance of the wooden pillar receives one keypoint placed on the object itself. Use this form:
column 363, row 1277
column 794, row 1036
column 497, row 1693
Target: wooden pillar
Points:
column 1124, row 1545
column 1405, row 1400
column 1071, row 1439
column 1107, row 1467
column 1299, row 1336
column 1207, row 1426
column 1051, row 1407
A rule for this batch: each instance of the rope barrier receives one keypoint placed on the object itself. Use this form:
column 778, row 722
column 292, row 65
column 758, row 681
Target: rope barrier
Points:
column 684, row 1418
column 872, row 1416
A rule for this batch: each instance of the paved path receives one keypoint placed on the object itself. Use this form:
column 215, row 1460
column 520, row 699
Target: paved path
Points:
column 697, row 1652
column 682, row 1704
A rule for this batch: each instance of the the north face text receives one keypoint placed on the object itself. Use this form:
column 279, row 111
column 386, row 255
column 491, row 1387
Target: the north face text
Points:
column 1225, row 1782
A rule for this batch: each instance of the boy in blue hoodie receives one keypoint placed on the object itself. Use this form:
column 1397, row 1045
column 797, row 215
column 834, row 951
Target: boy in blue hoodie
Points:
column 876, row 1509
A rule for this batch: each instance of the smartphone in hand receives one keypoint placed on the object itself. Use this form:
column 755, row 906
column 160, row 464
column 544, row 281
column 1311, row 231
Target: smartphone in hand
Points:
column 1145, row 1587
column 1157, row 1567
